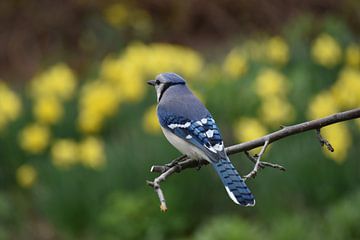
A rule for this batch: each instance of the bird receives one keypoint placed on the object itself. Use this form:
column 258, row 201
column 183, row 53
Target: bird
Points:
column 190, row 128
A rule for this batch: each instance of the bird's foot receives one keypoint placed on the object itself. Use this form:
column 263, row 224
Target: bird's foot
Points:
column 175, row 161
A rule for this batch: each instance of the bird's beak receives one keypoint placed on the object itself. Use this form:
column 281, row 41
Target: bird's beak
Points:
column 151, row 82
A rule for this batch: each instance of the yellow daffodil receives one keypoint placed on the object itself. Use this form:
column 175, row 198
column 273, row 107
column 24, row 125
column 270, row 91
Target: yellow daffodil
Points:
column 322, row 105
column 64, row 153
column 247, row 129
column 125, row 76
column 235, row 64
column 48, row 110
column 34, row 138
column 26, row 175
column 150, row 121
column 10, row 105
column 346, row 90
column 57, row 81
column 277, row 50
column 112, row 69
column 92, row 153
column 339, row 137
column 136, row 54
column 99, row 98
column 353, row 56
column 326, row 51
column 270, row 83
column 161, row 59
column 89, row 122
column 132, row 88
column 275, row 111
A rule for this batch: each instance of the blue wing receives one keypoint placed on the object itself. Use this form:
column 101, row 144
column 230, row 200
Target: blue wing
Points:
column 202, row 133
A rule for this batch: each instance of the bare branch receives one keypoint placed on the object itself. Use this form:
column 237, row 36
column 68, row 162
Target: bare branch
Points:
column 183, row 162
column 295, row 129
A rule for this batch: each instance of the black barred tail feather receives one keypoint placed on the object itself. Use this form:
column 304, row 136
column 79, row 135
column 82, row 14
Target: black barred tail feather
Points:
column 234, row 184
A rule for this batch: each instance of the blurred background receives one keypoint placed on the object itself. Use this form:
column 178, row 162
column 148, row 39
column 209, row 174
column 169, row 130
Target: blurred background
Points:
column 78, row 129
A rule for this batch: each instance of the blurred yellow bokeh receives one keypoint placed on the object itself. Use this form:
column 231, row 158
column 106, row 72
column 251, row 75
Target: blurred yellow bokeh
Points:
column 235, row 64
column 322, row 105
column 125, row 77
column 10, row 105
column 89, row 122
column 150, row 121
column 48, row 110
column 161, row 58
column 98, row 101
column 57, row 81
column 352, row 56
column 247, row 129
column 92, row 153
column 326, row 51
column 26, row 175
column 275, row 111
column 64, row 153
column 100, row 98
column 34, row 138
column 133, row 89
column 270, row 82
column 277, row 50
column 346, row 90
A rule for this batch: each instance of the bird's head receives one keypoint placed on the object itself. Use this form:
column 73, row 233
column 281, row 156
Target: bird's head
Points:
column 165, row 80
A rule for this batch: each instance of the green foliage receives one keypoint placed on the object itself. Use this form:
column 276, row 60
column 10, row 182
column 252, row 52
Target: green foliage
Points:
column 124, row 216
column 343, row 219
column 228, row 228
column 297, row 227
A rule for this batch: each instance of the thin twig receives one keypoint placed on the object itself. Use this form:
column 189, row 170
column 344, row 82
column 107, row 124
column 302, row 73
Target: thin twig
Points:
column 183, row 162
column 264, row 164
column 257, row 163
column 323, row 141
column 160, row 194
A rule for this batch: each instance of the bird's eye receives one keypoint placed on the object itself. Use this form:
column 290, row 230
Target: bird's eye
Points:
column 157, row 82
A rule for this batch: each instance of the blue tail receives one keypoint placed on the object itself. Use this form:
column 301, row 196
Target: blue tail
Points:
column 234, row 184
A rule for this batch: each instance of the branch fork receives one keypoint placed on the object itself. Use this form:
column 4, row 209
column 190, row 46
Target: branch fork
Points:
column 183, row 162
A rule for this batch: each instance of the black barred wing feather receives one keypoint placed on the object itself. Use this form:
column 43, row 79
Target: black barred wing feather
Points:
column 202, row 133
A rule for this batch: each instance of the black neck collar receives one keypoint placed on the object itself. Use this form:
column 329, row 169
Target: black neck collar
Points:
column 166, row 86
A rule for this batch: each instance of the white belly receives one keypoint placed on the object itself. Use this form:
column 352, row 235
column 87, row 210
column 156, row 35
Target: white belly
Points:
column 184, row 147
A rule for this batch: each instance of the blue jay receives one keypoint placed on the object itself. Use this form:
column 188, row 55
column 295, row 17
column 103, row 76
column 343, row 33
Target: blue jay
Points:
column 189, row 127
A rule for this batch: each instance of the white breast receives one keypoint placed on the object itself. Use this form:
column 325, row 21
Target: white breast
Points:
column 184, row 147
